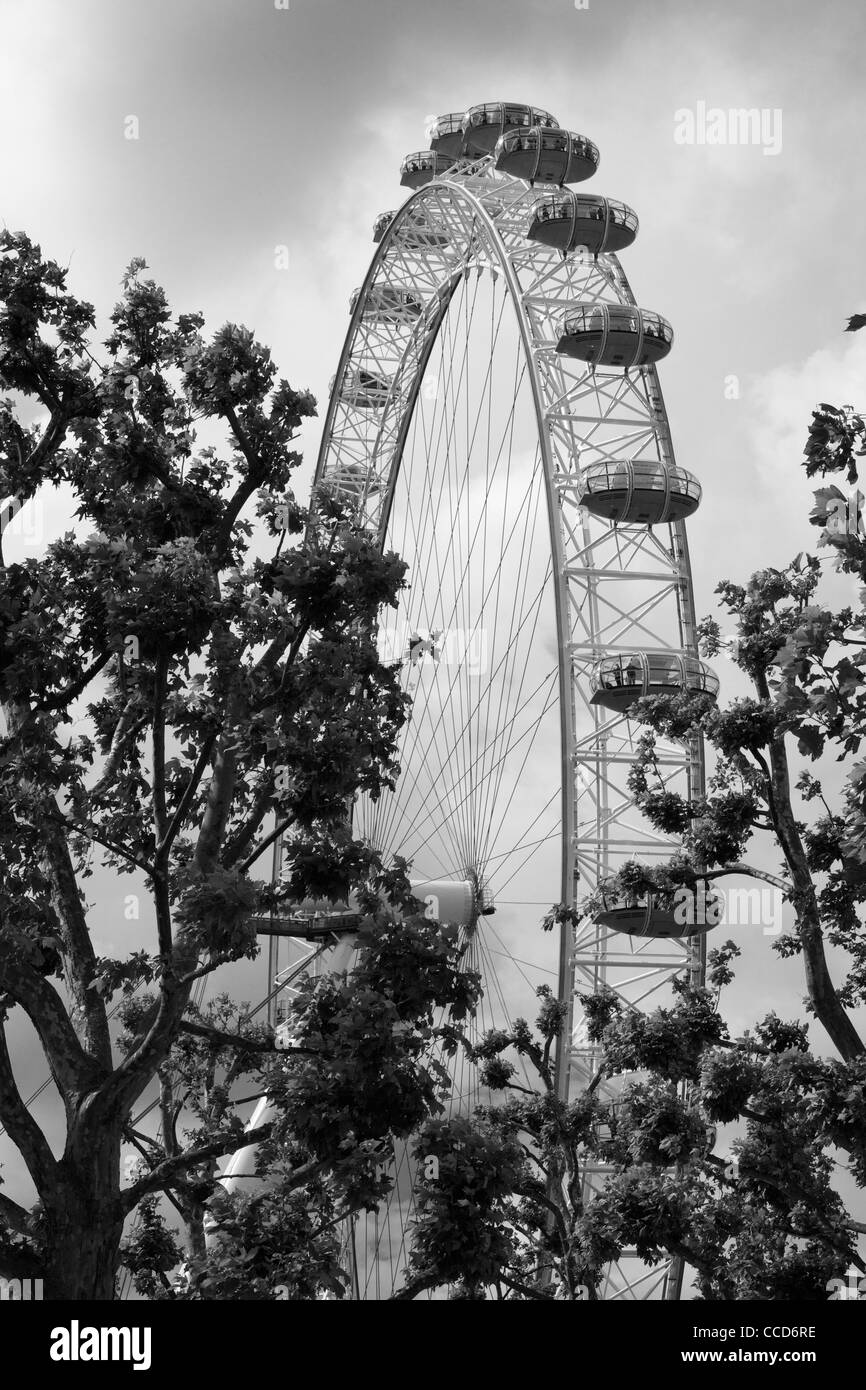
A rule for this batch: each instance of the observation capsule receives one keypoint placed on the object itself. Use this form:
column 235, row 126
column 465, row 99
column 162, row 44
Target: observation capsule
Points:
column 615, row 335
column 416, row 231
column 388, row 304
column 693, row 913
column 423, row 167
column 362, row 389
column 446, row 133
column 542, row 155
column 642, row 493
column 483, row 125
column 619, row 681
column 348, row 482
column 382, row 223
column 568, row 221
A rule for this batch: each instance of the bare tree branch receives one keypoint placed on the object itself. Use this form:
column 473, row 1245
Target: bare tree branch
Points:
column 747, row 870
column 269, row 840
column 71, row 692
column 92, row 833
column 163, row 1173
column 238, row 842
column 130, row 723
column 177, row 820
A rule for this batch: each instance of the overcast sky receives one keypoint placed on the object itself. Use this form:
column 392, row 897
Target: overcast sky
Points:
column 261, row 127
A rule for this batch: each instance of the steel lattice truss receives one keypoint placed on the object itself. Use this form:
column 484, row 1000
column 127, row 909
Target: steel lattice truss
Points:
column 616, row 588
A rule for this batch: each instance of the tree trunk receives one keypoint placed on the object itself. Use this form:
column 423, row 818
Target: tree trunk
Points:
column 83, row 1258
column 822, row 992
column 83, row 1226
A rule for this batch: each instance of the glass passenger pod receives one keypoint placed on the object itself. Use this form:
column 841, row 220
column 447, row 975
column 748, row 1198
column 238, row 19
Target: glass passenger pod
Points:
column 382, row 223
column 423, row 167
column 446, row 133
column 388, row 304
column 546, row 156
column 484, row 125
column 649, row 915
column 362, row 389
column 619, row 681
column 615, row 335
column 415, row 231
column 642, row 493
column 349, row 482
column 569, row 220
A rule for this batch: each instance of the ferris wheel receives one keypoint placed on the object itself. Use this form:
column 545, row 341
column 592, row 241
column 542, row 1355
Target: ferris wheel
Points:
column 496, row 419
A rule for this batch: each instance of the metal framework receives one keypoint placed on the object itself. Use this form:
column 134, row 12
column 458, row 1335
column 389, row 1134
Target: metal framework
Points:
column 615, row 588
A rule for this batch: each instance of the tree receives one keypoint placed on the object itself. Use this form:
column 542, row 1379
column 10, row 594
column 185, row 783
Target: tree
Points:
column 225, row 700
column 763, row 1221
column 505, row 1209
column 360, row 1072
column 502, row 1205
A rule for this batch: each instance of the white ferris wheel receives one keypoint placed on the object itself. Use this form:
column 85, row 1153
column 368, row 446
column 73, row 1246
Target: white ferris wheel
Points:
column 496, row 419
